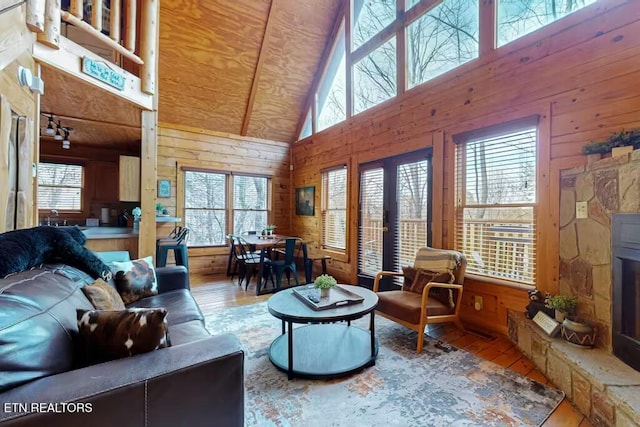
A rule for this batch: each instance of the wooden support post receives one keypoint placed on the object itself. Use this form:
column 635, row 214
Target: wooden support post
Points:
column 96, row 14
column 131, row 26
column 76, row 8
column 35, row 15
column 67, row 17
column 51, row 35
column 149, row 44
column 114, row 21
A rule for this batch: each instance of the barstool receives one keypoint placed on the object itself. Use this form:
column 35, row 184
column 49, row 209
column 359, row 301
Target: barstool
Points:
column 177, row 243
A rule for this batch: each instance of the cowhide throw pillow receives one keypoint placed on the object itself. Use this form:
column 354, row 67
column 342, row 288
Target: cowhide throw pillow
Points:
column 103, row 296
column 135, row 279
column 107, row 335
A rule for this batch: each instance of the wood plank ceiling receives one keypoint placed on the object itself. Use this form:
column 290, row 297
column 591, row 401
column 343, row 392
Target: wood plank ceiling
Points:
column 243, row 67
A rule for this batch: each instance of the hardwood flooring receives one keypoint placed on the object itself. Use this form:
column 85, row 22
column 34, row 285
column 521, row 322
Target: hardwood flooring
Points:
column 213, row 292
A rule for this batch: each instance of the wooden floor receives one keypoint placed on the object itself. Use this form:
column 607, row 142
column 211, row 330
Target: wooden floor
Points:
column 213, row 292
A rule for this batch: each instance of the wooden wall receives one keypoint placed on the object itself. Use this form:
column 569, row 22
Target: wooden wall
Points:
column 181, row 146
column 579, row 74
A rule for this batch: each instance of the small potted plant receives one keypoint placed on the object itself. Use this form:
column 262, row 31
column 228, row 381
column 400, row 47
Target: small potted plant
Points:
column 270, row 228
column 563, row 305
column 160, row 209
column 325, row 282
column 578, row 331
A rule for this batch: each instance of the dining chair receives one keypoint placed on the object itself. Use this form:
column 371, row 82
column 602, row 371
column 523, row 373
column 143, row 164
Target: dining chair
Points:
column 251, row 263
column 431, row 292
column 290, row 249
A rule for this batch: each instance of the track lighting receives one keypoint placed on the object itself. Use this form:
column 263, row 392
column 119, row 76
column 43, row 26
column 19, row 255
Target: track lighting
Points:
column 49, row 131
column 66, row 144
column 58, row 136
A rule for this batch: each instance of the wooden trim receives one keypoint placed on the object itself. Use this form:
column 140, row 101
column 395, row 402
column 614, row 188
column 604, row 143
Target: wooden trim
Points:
column 545, row 264
column 68, row 60
column 347, row 61
column 148, row 176
column 419, row 9
column 266, row 38
column 149, row 45
column 67, row 17
column 401, row 50
column 487, row 26
column 35, row 15
column 51, row 34
column 81, row 119
column 375, row 42
column 437, row 189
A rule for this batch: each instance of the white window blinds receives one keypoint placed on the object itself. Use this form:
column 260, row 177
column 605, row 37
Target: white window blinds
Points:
column 334, row 208
column 496, row 203
column 60, row 186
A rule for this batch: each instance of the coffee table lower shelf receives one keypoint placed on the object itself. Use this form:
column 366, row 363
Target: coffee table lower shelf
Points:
column 323, row 351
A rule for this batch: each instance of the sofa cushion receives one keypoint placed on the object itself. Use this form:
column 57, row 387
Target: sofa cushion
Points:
column 187, row 332
column 103, row 296
column 113, row 334
column 180, row 305
column 136, row 279
column 37, row 325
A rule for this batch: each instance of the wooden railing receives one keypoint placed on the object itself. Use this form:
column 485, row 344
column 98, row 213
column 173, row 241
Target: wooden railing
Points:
column 509, row 246
column 44, row 18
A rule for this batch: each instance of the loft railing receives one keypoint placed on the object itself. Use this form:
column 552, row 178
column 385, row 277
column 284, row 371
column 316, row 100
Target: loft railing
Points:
column 44, row 18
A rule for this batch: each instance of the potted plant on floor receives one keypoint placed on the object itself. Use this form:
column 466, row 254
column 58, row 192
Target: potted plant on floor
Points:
column 325, row 282
column 563, row 305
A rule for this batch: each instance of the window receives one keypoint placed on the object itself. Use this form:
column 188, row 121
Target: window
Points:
column 496, row 200
column 249, row 203
column 374, row 77
column 369, row 18
column 60, row 186
column 306, row 127
column 519, row 17
column 334, row 208
column 210, row 215
column 332, row 95
column 442, row 39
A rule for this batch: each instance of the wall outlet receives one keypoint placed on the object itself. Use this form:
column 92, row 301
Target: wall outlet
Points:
column 477, row 303
column 582, row 210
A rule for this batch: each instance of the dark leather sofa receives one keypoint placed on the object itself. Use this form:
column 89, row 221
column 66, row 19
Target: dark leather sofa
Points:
column 198, row 381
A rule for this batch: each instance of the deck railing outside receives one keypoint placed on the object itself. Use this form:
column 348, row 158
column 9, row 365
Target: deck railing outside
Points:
column 119, row 30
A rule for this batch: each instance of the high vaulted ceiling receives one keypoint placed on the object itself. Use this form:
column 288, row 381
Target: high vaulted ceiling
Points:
column 241, row 66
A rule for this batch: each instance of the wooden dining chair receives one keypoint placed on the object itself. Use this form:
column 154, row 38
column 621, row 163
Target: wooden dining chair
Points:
column 431, row 292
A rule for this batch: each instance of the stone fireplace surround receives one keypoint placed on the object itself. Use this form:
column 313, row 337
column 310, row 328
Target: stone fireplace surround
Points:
column 602, row 387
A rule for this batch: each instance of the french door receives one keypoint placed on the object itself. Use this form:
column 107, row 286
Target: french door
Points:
column 395, row 212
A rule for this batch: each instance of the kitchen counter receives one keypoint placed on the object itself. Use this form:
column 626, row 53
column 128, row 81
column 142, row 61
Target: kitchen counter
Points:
column 93, row 233
column 167, row 219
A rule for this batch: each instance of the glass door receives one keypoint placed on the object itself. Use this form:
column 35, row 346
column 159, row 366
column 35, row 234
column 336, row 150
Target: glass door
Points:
column 395, row 211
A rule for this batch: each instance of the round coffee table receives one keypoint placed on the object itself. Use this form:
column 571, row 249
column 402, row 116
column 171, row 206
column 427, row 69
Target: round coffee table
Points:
column 323, row 349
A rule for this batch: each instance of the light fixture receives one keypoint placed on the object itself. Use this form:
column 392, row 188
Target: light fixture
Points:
column 50, row 130
column 58, row 136
column 66, row 144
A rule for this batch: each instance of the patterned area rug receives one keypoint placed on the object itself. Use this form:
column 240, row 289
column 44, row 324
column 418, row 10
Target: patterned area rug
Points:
column 443, row 386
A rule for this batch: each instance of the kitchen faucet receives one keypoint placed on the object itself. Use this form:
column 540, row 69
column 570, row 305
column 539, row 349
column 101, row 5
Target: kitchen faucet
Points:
column 55, row 212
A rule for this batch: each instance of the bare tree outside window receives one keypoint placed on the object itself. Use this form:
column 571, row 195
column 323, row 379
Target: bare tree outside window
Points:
column 60, row 186
column 205, row 207
column 375, row 77
column 332, row 95
column 370, row 17
column 249, row 203
column 442, row 39
column 519, row 17
column 334, row 209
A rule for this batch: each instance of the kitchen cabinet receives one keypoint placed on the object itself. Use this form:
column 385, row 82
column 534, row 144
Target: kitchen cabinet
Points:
column 129, row 182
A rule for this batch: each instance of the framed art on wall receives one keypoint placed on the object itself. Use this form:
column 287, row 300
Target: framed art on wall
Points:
column 164, row 188
column 305, row 197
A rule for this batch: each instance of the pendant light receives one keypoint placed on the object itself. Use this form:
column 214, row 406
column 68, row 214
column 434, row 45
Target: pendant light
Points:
column 58, row 136
column 49, row 131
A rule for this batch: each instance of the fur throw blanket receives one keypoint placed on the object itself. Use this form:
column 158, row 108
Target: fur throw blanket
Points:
column 24, row 249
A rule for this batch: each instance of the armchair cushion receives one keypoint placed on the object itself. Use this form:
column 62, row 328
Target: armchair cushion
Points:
column 406, row 305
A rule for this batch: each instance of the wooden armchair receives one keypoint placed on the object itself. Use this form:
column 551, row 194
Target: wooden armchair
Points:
column 431, row 292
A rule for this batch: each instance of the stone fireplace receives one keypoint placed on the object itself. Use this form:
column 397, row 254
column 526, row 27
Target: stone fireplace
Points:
column 600, row 385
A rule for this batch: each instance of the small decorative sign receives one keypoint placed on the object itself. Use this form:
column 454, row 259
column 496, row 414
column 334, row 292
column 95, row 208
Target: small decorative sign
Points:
column 164, row 188
column 100, row 70
column 546, row 323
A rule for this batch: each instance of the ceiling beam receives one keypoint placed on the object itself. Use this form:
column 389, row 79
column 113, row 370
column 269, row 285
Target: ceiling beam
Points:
column 256, row 75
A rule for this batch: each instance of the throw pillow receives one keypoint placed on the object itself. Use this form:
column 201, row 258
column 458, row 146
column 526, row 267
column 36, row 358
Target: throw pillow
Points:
column 423, row 277
column 410, row 274
column 135, row 279
column 103, row 296
column 107, row 335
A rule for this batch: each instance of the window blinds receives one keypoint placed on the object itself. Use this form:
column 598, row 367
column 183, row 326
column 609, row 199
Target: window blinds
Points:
column 334, row 208
column 60, row 186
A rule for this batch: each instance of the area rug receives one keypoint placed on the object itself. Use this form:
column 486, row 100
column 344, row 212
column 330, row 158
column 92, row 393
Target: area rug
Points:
column 443, row 386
